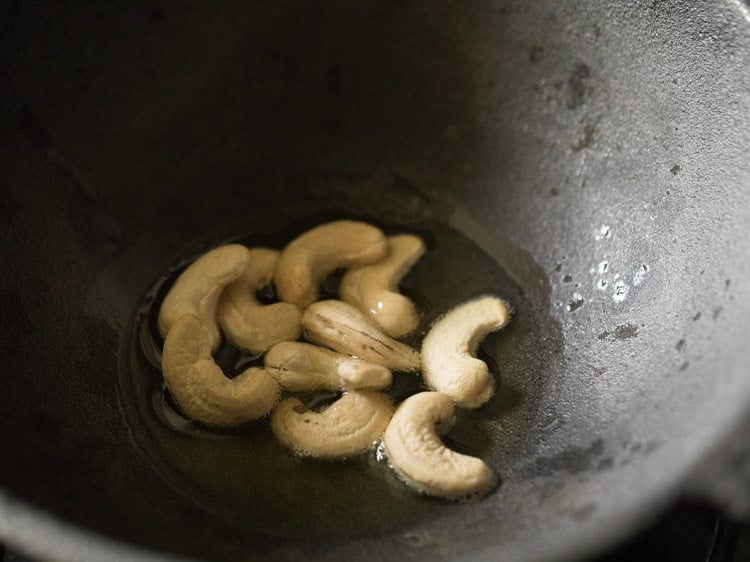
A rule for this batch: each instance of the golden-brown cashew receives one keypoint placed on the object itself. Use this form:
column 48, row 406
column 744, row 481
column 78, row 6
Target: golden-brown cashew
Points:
column 248, row 324
column 347, row 427
column 301, row 366
column 345, row 329
column 309, row 258
column 199, row 386
column 448, row 364
column 417, row 454
column 197, row 289
column 373, row 289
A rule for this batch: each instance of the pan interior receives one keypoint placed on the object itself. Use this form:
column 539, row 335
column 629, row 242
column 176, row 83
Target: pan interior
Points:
column 588, row 161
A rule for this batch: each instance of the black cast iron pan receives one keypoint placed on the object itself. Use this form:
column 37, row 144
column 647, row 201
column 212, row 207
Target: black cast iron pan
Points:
column 594, row 155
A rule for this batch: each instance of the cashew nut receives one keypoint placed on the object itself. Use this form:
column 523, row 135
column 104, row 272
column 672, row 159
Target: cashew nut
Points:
column 447, row 350
column 373, row 289
column 302, row 367
column 248, row 324
column 417, row 454
column 345, row 329
column 347, row 427
column 197, row 289
column 308, row 259
column 198, row 384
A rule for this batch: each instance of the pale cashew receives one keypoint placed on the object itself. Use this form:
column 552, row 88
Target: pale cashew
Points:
column 199, row 386
column 373, row 289
column 447, row 350
column 248, row 324
column 417, row 454
column 197, row 289
column 345, row 329
column 309, row 258
column 301, row 367
column 347, row 427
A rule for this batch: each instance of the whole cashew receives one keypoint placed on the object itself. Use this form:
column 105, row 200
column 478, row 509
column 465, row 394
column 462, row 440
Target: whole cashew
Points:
column 197, row 289
column 347, row 427
column 448, row 364
column 199, row 386
column 248, row 324
column 309, row 258
column 373, row 289
column 345, row 329
column 415, row 451
column 302, row 367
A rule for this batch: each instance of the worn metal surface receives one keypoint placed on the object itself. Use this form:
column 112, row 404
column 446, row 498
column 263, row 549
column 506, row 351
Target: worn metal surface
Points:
column 599, row 153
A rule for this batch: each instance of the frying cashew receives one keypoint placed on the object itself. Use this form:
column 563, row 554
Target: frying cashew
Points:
column 248, row 324
column 199, row 386
column 197, row 289
column 373, row 289
column 417, row 454
column 448, row 364
column 309, row 258
column 345, row 329
column 302, row 367
column 347, row 427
